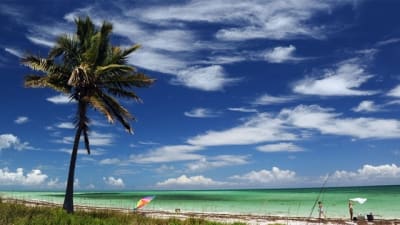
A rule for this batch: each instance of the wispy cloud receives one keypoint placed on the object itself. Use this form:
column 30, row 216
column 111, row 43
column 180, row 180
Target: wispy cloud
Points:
column 93, row 152
column 110, row 161
column 395, row 92
column 41, row 41
column 267, row 99
column 171, row 153
column 281, row 54
column 242, row 109
column 21, row 120
column 388, row 42
column 14, row 52
column 367, row 106
column 292, row 123
column 174, row 47
column 202, row 113
column 257, row 129
column 65, row 125
column 246, row 20
column 60, row 99
column 95, row 139
column 217, row 161
column 210, row 78
column 327, row 121
column 344, row 80
column 280, row 147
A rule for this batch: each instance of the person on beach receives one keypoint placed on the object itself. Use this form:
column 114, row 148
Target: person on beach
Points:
column 351, row 209
column 321, row 210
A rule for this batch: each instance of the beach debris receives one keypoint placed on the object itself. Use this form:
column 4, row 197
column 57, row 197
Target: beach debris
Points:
column 144, row 201
column 359, row 200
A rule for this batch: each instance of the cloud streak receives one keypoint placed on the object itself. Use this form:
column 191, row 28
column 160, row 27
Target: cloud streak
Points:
column 344, row 80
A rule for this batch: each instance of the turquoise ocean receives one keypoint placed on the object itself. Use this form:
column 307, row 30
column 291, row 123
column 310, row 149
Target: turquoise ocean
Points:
column 382, row 201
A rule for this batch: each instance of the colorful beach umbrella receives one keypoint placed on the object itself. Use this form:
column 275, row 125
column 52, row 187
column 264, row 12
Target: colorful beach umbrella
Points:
column 359, row 200
column 144, row 201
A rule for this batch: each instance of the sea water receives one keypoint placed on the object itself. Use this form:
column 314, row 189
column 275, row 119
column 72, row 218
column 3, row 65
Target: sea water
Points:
column 382, row 201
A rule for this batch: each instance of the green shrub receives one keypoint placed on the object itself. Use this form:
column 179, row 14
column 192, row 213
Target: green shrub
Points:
column 19, row 214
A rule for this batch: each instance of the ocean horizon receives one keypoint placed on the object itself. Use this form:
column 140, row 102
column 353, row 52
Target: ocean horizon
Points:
column 382, row 201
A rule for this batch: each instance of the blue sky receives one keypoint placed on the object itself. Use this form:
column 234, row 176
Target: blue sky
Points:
column 249, row 94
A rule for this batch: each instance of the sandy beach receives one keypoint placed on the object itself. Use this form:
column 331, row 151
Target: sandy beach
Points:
column 219, row 217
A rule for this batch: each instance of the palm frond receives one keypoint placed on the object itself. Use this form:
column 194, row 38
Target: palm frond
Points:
column 37, row 63
column 119, row 112
column 85, row 30
column 113, row 69
column 133, row 80
column 97, row 103
column 119, row 92
column 92, row 51
column 35, row 81
column 128, row 51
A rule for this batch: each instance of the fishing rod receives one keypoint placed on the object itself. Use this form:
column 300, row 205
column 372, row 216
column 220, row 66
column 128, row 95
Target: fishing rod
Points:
column 319, row 195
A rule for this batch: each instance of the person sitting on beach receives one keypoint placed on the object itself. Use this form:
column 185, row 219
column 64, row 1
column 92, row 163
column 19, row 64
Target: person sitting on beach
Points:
column 351, row 210
column 321, row 210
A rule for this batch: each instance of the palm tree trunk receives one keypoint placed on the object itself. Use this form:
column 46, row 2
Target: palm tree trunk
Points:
column 69, row 192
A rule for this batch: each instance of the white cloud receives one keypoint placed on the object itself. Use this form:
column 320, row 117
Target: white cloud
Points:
column 201, row 113
column 225, row 59
column 257, row 129
column 54, row 183
column 21, row 120
column 395, row 92
column 280, row 54
column 41, row 41
column 275, row 175
column 100, row 139
column 267, row 99
column 171, row 153
column 90, row 186
column 341, row 81
column 34, row 177
column 114, row 182
column 110, row 161
column 368, row 175
column 156, row 61
column 210, row 78
column 14, row 52
column 280, row 147
column 95, row 139
column 242, row 109
column 82, row 151
column 185, row 181
column 12, row 141
column 367, row 106
column 217, row 161
column 66, row 125
column 60, row 99
column 328, row 122
column 171, row 46
column 246, row 20
column 388, row 41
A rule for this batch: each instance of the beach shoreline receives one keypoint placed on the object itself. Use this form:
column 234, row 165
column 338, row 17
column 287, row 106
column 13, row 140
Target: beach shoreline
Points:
column 250, row 219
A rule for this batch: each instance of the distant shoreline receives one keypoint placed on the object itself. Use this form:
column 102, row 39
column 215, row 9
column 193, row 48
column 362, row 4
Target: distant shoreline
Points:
column 218, row 217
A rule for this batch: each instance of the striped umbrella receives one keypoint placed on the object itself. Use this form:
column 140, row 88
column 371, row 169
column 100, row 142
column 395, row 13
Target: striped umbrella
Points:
column 144, row 201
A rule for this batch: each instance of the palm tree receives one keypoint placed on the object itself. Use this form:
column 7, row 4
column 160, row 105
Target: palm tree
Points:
column 94, row 74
